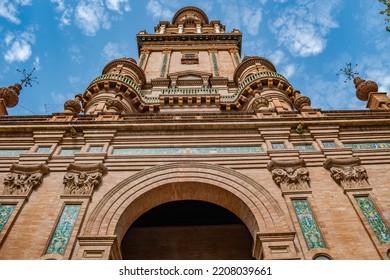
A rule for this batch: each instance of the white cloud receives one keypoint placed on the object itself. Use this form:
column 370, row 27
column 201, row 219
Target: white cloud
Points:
column 9, row 9
column 112, row 51
column 118, row 5
column 74, row 80
column 75, row 54
column 66, row 12
column 91, row 17
column 18, row 46
column 277, row 57
column 251, row 20
column 157, row 10
column 289, row 70
column 242, row 15
column 303, row 28
column 37, row 63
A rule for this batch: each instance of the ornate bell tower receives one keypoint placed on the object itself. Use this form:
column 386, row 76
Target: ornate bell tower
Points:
column 191, row 65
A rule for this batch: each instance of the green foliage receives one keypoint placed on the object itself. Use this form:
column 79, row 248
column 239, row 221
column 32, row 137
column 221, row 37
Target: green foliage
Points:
column 386, row 12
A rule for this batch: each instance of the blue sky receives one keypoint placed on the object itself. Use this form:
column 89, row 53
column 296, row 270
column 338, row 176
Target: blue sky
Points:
column 69, row 42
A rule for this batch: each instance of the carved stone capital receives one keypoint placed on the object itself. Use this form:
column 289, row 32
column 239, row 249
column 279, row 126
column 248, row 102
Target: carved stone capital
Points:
column 291, row 176
column 348, row 173
column 23, row 178
column 82, row 179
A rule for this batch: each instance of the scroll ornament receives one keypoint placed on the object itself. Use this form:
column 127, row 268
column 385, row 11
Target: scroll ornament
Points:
column 23, row 178
column 290, row 176
column 348, row 173
column 83, row 179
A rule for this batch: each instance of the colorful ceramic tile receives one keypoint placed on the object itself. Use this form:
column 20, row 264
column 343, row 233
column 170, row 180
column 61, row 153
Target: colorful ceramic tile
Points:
column 186, row 151
column 5, row 213
column 12, row 153
column 308, row 224
column 376, row 222
column 376, row 145
column 304, row 147
column 63, row 230
column 69, row 152
column 329, row 144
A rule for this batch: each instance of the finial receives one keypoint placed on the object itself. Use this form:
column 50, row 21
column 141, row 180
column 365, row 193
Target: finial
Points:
column 348, row 71
column 27, row 79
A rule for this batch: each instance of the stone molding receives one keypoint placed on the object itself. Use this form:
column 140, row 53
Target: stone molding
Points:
column 23, row 178
column 275, row 246
column 291, row 176
column 265, row 212
column 82, row 179
column 348, row 173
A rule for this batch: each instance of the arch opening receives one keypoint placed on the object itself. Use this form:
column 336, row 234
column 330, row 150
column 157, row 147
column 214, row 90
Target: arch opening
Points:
column 187, row 229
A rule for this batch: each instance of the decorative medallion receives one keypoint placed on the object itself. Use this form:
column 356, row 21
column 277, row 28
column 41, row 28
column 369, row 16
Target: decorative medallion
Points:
column 308, row 224
column 348, row 173
column 82, row 179
column 376, row 222
column 63, row 230
column 290, row 176
column 23, row 178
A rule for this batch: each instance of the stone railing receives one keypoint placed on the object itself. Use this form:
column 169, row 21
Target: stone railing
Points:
column 250, row 79
column 129, row 82
column 198, row 91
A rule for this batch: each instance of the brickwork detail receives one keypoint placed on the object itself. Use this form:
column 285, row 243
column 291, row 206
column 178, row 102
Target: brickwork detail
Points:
column 308, row 224
column 82, row 179
column 290, row 176
column 63, row 230
column 22, row 179
column 5, row 213
column 376, row 222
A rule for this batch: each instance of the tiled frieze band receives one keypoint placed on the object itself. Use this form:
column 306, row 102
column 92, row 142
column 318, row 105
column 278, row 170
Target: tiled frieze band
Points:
column 186, row 151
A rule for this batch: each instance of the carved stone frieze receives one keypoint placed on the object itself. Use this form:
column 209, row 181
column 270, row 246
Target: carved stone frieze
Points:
column 291, row 176
column 23, row 178
column 83, row 179
column 348, row 173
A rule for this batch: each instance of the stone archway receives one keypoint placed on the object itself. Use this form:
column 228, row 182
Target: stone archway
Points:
column 248, row 200
column 187, row 230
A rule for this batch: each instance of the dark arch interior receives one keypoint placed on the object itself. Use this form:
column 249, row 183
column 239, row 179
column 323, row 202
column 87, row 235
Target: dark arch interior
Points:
column 188, row 229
